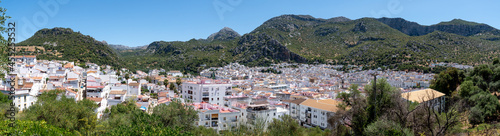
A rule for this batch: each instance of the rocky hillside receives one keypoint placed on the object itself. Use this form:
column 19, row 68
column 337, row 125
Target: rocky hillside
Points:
column 384, row 42
column 456, row 26
column 224, row 34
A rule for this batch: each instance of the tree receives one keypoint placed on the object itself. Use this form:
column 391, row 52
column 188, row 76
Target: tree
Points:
column 4, row 105
column 178, row 81
column 28, row 127
column 386, row 128
column 467, row 90
column 286, row 125
column 176, row 114
column 485, row 109
column 127, row 76
column 63, row 112
column 4, row 58
column 118, row 73
column 348, row 98
column 172, row 88
column 165, row 82
column 357, row 115
column 380, row 100
column 448, row 81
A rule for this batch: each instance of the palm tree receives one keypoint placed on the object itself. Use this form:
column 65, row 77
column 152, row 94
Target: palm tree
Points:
column 127, row 76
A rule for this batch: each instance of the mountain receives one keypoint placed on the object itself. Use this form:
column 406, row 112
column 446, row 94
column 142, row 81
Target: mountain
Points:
column 455, row 26
column 390, row 42
column 119, row 47
column 262, row 48
column 65, row 44
column 384, row 42
column 225, row 33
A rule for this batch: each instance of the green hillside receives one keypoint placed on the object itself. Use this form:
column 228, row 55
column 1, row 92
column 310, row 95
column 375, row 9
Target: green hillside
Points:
column 65, row 44
column 386, row 42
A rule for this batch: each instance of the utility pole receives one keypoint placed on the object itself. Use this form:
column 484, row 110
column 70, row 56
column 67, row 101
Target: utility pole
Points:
column 340, row 77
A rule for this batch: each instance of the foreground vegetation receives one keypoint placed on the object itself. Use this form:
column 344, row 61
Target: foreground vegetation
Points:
column 472, row 106
column 55, row 114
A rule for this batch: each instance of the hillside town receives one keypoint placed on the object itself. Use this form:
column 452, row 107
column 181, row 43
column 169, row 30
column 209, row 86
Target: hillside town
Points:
column 224, row 97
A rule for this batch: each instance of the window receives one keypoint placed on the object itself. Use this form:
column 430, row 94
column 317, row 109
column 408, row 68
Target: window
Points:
column 25, row 105
column 217, row 99
column 25, row 98
column 224, row 118
column 274, row 114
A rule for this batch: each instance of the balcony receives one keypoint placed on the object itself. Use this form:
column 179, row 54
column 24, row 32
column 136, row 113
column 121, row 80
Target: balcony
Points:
column 215, row 116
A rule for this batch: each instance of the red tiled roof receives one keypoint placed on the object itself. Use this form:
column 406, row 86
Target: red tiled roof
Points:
column 134, row 84
column 162, row 94
column 95, row 86
column 72, row 79
column 117, row 92
column 95, row 99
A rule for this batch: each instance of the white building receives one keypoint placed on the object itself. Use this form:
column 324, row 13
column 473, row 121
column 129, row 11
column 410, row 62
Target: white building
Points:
column 101, row 105
column 175, row 73
column 426, row 96
column 260, row 115
column 294, row 108
column 134, row 89
column 25, row 94
column 27, row 59
column 316, row 112
column 217, row 117
column 116, row 96
column 206, row 90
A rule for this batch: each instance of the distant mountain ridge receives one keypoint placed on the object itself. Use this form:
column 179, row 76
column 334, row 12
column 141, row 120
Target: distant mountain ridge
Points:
column 382, row 42
column 119, row 47
column 456, row 26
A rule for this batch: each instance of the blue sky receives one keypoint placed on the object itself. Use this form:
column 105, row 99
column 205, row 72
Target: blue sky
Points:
column 137, row 23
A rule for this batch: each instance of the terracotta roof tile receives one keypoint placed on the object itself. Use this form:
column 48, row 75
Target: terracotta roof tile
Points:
column 117, row 92
column 422, row 95
column 327, row 105
column 95, row 99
